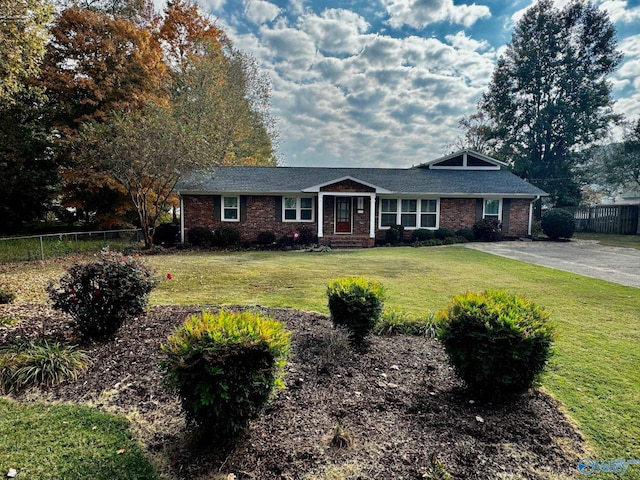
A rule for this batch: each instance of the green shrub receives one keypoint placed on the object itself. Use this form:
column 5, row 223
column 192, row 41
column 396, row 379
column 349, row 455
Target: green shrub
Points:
column 266, row 238
column 558, row 223
column 25, row 365
column 200, row 237
column 422, row 234
column 226, row 236
column 101, row 295
column 225, row 367
column 466, row 233
column 166, row 234
column 487, row 230
column 497, row 342
column 356, row 304
column 443, row 233
column 6, row 296
column 394, row 235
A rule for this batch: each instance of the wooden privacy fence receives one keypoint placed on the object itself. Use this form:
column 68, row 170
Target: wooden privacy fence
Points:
column 618, row 219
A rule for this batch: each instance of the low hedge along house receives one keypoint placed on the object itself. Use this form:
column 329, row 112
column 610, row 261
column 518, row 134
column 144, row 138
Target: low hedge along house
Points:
column 355, row 206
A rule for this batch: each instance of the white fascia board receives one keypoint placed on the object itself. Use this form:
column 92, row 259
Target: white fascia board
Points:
column 316, row 188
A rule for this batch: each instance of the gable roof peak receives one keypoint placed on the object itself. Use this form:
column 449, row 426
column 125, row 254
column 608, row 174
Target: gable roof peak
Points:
column 465, row 159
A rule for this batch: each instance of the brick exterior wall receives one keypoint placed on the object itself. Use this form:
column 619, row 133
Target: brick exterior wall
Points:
column 259, row 214
column 457, row 213
column 518, row 218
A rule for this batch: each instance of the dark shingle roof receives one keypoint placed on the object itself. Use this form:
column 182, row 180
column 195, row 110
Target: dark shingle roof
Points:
column 396, row 180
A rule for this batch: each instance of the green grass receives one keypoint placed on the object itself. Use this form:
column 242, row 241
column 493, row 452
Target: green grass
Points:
column 595, row 370
column 629, row 241
column 67, row 442
column 28, row 249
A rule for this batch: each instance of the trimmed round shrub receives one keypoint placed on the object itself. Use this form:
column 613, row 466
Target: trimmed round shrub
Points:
column 422, row 235
column 558, row 223
column 497, row 342
column 166, row 234
column 226, row 236
column 356, row 304
column 266, row 238
column 487, row 230
column 200, row 237
column 394, row 235
column 101, row 295
column 443, row 233
column 225, row 367
column 466, row 233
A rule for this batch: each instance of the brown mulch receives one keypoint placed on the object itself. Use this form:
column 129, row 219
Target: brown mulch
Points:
column 397, row 404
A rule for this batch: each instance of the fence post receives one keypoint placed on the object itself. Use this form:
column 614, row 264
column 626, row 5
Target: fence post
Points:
column 41, row 248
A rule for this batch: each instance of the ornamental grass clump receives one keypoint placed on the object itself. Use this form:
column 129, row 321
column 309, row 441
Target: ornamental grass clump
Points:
column 497, row 342
column 356, row 304
column 225, row 368
column 31, row 364
column 101, row 295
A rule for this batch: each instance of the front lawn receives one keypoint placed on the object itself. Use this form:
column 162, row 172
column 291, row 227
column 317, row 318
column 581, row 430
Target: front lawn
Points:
column 595, row 371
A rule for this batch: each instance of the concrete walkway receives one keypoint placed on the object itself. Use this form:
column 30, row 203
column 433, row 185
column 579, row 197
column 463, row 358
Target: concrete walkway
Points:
column 584, row 257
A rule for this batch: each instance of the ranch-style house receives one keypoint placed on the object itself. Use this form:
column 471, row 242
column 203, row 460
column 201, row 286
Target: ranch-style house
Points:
column 355, row 206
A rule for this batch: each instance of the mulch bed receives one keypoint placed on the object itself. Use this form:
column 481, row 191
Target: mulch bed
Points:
column 397, row 404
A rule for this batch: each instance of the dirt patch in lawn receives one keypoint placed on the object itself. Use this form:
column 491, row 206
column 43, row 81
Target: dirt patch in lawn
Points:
column 391, row 408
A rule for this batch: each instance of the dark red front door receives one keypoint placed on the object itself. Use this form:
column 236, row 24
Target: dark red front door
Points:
column 343, row 214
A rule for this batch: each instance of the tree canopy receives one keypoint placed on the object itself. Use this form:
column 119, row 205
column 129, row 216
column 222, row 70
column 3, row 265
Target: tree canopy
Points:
column 115, row 70
column 23, row 33
column 549, row 96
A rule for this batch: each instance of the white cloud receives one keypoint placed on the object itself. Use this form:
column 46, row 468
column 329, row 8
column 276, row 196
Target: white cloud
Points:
column 619, row 11
column 260, row 11
column 420, row 13
column 336, row 30
column 462, row 42
column 211, row 5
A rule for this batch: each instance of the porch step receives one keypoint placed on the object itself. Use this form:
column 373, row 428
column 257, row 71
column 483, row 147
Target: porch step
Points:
column 347, row 242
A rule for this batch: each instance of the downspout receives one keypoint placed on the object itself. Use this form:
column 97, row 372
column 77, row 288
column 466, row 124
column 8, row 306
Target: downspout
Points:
column 529, row 229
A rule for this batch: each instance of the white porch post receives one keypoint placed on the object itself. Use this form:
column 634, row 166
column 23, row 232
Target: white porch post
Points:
column 372, row 216
column 320, row 214
column 181, row 219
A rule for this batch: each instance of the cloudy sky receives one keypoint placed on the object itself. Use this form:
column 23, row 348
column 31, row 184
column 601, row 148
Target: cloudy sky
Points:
column 385, row 82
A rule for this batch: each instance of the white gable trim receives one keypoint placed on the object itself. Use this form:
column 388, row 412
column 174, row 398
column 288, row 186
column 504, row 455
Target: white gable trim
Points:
column 316, row 188
column 495, row 164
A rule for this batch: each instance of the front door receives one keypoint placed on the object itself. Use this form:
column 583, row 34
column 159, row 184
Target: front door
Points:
column 343, row 214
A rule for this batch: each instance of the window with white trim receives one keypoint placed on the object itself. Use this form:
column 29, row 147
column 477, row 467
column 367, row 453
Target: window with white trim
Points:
column 492, row 209
column 429, row 213
column 297, row 209
column 388, row 212
column 231, row 209
column 409, row 212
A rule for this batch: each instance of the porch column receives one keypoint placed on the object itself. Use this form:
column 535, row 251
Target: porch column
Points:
column 372, row 216
column 320, row 214
column 181, row 219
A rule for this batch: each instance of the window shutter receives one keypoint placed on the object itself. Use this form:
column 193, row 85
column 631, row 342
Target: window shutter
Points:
column 278, row 202
column 217, row 205
column 506, row 207
column 479, row 208
column 243, row 208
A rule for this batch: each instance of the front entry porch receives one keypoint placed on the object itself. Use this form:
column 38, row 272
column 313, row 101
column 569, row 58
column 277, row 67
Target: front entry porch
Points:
column 346, row 219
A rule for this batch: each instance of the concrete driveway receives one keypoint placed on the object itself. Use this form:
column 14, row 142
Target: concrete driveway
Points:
column 584, row 257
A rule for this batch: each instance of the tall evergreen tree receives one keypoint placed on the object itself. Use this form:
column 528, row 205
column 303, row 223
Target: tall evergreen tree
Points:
column 549, row 96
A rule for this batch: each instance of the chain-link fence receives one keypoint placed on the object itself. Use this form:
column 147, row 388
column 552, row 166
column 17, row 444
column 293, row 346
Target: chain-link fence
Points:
column 41, row 247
